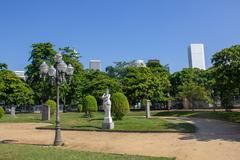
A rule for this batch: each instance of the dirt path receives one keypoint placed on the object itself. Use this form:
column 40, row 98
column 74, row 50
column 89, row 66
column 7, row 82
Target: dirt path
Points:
column 214, row 140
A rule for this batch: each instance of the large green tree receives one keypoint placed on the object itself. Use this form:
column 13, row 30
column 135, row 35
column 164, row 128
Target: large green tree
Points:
column 194, row 92
column 40, row 52
column 187, row 75
column 72, row 90
column 13, row 90
column 162, row 82
column 138, row 83
column 226, row 72
column 97, row 82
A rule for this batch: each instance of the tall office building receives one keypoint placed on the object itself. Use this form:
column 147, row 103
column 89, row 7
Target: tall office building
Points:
column 95, row 64
column 196, row 56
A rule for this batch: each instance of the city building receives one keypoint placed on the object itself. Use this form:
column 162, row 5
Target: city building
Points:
column 196, row 56
column 21, row 74
column 95, row 64
column 137, row 63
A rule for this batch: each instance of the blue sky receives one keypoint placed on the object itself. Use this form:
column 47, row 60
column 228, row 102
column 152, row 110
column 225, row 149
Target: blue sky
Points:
column 117, row 30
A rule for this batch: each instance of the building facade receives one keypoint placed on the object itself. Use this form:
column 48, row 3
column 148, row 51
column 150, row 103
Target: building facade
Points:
column 137, row 63
column 95, row 64
column 21, row 74
column 196, row 56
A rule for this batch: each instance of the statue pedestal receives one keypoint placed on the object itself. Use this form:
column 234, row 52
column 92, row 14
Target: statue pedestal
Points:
column 46, row 113
column 107, row 123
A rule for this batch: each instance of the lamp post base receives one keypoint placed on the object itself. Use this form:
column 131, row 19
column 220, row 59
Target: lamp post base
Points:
column 58, row 140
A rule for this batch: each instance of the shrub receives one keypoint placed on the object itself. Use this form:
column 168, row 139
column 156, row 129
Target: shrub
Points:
column 89, row 105
column 53, row 106
column 120, row 105
column 80, row 107
column 1, row 112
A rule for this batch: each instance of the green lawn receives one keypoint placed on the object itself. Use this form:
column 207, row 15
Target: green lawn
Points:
column 30, row 152
column 220, row 115
column 128, row 123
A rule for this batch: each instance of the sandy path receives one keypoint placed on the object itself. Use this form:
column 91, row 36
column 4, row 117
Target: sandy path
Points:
column 214, row 140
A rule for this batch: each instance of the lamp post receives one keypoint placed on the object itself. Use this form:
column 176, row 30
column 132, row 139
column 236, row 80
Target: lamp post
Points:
column 57, row 74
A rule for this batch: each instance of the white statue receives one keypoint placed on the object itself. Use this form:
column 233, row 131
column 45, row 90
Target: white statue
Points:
column 107, row 123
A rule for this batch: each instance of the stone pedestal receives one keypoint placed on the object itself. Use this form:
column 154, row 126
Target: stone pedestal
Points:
column 46, row 113
column 148, row 114
column 13, row 111
column 107, row 123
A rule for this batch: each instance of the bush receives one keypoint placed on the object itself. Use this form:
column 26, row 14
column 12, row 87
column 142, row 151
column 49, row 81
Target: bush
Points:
column 120, row 105
column 1, row 112
column 80, row 107
column 89, row 105
column 53, row 106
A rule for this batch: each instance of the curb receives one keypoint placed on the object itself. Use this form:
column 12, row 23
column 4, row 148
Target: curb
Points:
column 113, row 131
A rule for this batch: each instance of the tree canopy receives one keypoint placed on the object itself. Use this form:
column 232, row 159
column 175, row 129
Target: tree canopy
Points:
column 13, row 90
column 226, row 72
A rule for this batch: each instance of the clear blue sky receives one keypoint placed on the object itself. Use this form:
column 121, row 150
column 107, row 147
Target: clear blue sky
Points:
column 116, row 30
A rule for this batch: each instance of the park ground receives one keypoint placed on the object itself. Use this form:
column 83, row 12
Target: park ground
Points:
column 213, row 139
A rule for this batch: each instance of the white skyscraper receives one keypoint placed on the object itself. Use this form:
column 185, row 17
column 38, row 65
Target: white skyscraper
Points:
column 196, row 56
column 95, row 64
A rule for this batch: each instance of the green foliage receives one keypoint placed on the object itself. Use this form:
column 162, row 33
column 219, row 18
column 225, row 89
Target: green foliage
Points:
column 53, row 106
column 226, row 71
column 40, row 52
column 1, row 112
column 89, row 105
column 196, row 75
column 150, row 82
column 194, row 92
column 143, row 103
column 120, row 105
column 3, row 66
column 72, row 92
column 13, row 90
column 96, row 82
column 80, row 107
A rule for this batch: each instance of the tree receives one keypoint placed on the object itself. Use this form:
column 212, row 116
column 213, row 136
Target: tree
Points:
column 40, row 52
column 120, row 105
column 72, row 92
column 162, row 83
column 3, row 66
column 97, row 82
column 118, row 70
column 150, row 82
column 194, row 92
column 226, row 72
column 196, row 75
column 14, row 91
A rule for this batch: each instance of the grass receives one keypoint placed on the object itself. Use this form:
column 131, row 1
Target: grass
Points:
column 220, row 115
column 30, row 152
column 128, row 123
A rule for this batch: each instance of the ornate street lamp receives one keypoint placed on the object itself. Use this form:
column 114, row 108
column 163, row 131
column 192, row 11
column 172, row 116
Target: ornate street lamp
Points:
column 57, row 76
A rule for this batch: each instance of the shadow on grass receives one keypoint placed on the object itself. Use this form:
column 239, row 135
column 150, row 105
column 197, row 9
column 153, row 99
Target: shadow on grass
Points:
column 87, row 127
